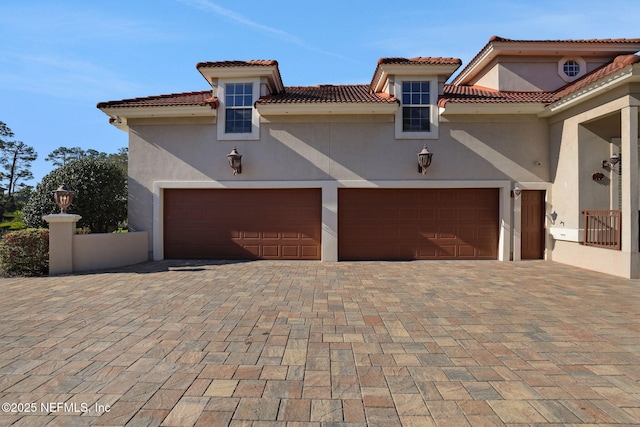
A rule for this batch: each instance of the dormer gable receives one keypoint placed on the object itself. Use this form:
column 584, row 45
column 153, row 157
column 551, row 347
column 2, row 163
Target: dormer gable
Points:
column 388, row 68
column 267, row 70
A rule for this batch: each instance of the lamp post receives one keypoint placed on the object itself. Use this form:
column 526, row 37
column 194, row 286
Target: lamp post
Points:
column 424, row 160
column 235, row 161
column 63, row 197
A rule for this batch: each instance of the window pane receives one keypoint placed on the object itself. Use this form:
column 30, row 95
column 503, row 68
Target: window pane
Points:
column 415, row 86
column 231, row 89
column 238, row 120
column 406, row 86
column 416, row 119
column 247, row 100
column 424, row 87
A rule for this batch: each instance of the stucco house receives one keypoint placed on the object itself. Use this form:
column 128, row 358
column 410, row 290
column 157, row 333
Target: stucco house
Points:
column 530, row 151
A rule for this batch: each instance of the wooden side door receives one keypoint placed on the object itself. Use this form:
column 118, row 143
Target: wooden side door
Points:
column 533, row 207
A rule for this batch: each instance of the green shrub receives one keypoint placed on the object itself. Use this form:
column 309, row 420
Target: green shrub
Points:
column 12, row 221
column 25, row 252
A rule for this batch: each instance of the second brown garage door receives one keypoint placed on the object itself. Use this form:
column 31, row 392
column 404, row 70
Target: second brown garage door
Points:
column 406, row 224
column 242, row 224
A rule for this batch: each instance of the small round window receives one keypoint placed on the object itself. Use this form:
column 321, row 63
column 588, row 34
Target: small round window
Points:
column 571, row 68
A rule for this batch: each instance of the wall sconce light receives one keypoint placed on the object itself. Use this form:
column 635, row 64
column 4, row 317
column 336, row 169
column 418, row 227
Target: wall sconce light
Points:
column 597, row 176
column 610, row 163
column 516, row 192
column 235, row 161
column 424, row 160
column 63, row 197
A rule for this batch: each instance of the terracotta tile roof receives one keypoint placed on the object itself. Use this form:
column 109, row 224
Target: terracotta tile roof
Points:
column 237, row 63
column 326, row 94
column 168, row 100
column 617, row 64
column 477, row 94
column 362, row 93
column 595, row 41
column 291, row 95
column 421, row 61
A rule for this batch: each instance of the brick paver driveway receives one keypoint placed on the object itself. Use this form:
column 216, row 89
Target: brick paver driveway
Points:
column 312, row 344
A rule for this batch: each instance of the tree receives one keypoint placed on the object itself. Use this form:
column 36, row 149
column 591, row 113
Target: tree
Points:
column 15, row 158
column 5, row 131
column 100, row 194
column 121, row 158
column 63, row 155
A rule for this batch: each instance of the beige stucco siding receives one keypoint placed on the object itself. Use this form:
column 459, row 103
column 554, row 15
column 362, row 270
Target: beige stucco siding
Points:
column 332, row 148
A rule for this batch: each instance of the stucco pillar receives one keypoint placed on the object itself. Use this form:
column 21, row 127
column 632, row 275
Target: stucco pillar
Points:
column 630, row 202
column 330, row 222
column 62, row 227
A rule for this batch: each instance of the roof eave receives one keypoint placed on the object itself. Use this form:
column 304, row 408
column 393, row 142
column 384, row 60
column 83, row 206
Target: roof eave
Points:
column 119, row 116
column 298, row 109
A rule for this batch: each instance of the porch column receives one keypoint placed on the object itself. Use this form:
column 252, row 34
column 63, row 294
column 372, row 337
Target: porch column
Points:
column 630, row 203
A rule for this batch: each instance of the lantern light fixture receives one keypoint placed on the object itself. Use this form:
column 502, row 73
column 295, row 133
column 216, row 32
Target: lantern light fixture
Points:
column 235, row 161
column 424, row 160
column 63, row 197
column 516, row 192
column 611, row 162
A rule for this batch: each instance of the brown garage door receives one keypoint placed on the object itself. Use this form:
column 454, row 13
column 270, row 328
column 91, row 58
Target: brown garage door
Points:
column 405, row 224
column 242, row 224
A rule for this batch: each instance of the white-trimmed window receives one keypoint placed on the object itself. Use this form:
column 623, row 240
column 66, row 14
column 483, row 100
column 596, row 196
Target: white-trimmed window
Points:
column 417, row 117
column 237, row 119
column 238, row 106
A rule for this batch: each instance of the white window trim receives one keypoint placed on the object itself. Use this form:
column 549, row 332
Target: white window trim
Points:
column 433, row 111
column 255, row 118
column 581, row 62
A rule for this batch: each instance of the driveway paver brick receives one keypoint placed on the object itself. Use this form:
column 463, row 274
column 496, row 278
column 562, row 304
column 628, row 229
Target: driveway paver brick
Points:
column 292, row 344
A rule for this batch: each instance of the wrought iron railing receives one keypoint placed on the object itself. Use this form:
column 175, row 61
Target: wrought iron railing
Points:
column 602, row 228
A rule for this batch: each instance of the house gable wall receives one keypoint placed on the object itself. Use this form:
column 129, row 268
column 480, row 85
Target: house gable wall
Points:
column 528, row 73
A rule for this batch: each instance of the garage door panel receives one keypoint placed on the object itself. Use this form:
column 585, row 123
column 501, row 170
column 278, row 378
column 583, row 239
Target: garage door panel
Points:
column 446, row 198
column 270, row 251
column 428, row 214
column 487, row 232
column 447, row 233
column 467, row 214
column 447, row 251
column 242, row 224
column 408, row 214
column 485, row 214
column 466, row 251
column 447, row 214
column 427, row 224
column 467, row 233
column 309, row 252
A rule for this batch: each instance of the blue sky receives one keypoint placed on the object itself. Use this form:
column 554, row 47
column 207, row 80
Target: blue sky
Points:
column 59, row 58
